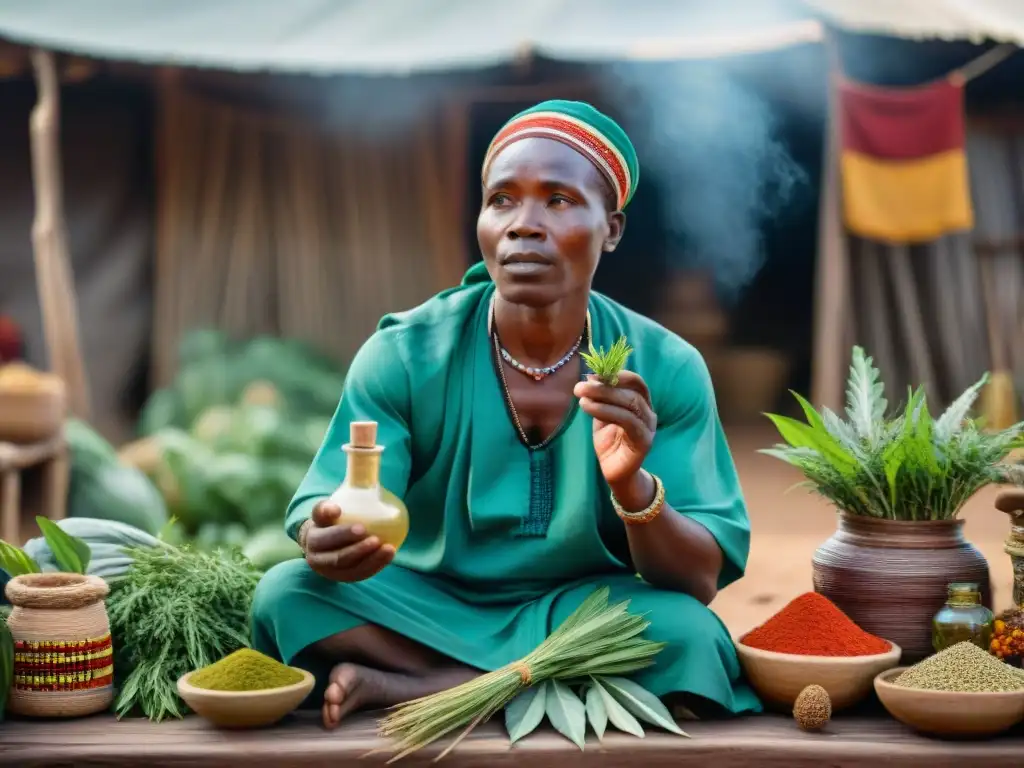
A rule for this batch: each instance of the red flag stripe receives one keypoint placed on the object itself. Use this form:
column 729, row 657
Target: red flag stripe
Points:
column 901, row 123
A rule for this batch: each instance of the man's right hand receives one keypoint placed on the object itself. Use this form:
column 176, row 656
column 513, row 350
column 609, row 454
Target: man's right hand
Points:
column 340, row 551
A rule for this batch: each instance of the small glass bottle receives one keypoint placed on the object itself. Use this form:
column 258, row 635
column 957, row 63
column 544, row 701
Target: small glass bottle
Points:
column 963, row 617
column 361, row 497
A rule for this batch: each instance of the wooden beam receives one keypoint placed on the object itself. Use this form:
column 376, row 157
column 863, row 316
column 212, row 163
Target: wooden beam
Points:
column 832, row 279
column 54, row 279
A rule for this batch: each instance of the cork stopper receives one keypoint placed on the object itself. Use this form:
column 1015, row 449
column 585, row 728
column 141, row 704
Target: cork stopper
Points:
column 363, row 434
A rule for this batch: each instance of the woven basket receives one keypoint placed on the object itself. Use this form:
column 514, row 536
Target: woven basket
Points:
column 63, row 657
column 31, row 417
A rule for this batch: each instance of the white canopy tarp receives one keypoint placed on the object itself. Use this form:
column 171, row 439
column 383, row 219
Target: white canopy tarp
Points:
column 975, row 21
column 400, row 36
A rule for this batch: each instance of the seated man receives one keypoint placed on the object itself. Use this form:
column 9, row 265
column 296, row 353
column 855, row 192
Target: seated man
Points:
column 529, row 482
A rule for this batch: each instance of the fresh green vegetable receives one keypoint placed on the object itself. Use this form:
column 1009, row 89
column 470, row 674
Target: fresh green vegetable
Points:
column 71, row 553
column 117, row 492
column 229, row 441
column 175, row 610
column 6, row 664
column 608, row 365
column 908, row 466
column 16, row 562
column 108, row 542
column 88, row 448
column 102, row 487
column 215, row 371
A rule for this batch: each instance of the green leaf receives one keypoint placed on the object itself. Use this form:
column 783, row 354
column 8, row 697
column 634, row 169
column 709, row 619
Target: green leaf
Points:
column 596, row 712
column 71, row 553
column 952, row 419
column 617, row 714
column 525, row 712
column 641, row 703
column 566, row 712
column 592, row 606
column 15, row 561
column 865, row 401
column 800, row 435
column 6, row 665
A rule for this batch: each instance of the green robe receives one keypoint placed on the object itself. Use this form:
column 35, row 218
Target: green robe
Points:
column 505, row 542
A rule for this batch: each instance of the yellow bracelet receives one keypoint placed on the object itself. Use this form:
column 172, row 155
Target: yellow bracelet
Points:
column 644, row 515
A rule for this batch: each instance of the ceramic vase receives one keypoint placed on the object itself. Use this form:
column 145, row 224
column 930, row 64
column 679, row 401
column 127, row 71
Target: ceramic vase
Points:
column 891, row 576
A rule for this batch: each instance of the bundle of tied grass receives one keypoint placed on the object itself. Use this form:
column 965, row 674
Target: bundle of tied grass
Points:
column 597, row 640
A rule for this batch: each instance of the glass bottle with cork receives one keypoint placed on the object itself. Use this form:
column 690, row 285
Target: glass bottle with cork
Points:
column 361, row 497
column 963, row 617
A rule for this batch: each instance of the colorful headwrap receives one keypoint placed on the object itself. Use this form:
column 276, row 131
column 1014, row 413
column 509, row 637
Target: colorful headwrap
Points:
column 578, row 125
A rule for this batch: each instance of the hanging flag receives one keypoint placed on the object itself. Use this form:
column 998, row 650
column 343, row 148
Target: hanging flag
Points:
column 904, row 161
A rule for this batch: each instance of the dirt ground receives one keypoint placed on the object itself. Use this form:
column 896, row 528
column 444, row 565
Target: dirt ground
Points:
column 788, row 524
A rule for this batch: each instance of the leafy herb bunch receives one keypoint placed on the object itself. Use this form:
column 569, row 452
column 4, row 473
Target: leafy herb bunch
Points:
column 905, row 466
column 608, row 365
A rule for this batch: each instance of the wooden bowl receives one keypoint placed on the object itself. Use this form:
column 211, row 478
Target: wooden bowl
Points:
column 778, row 678
column 942, row 713
column 31, row 417
column 245, row 709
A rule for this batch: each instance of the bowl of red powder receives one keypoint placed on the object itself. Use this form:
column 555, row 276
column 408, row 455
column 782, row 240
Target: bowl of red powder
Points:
column 810, row 641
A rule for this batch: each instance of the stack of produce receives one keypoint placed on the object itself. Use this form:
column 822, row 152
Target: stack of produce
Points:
column 962, row 668
column 812, row 625
column 230, row 440
column 172, row 608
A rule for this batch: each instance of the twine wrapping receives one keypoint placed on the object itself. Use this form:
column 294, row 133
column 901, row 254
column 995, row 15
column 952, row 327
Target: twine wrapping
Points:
column 524, row 672
column 63, row 652
column 56, row 590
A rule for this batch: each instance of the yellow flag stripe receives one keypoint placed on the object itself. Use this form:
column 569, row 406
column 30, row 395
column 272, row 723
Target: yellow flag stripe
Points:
column 906, row 201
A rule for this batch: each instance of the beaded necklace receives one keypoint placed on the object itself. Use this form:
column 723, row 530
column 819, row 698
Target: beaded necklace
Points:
column 537, row 374
column 507, row 396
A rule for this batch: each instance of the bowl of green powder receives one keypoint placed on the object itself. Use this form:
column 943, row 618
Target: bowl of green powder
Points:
column 961, row 691
column 245, row 690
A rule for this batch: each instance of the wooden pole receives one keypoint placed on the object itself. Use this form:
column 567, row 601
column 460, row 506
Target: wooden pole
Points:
column 832, row 282
column 54, row 279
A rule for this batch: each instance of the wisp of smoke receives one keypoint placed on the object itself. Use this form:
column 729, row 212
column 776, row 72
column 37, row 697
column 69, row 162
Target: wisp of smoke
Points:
column 709, row 143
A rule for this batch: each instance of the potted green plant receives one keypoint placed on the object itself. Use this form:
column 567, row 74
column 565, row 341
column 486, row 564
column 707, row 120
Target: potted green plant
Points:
column 898, row 481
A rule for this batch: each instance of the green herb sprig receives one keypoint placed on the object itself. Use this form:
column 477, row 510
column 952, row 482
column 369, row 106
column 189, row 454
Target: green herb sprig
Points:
column 608, row 365
column 175, row 610
column 905, row 466
column 596, row 641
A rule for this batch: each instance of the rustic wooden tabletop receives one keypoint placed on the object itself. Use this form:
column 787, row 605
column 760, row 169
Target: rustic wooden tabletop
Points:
column 764, row 741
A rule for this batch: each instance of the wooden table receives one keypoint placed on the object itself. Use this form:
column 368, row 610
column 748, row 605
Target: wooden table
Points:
column 763, row 741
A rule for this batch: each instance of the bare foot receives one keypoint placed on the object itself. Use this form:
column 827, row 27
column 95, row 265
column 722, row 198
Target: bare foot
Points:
column 346, row 692
column 353, row 686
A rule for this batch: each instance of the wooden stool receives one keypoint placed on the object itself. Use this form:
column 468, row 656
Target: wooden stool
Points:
column 53, row 458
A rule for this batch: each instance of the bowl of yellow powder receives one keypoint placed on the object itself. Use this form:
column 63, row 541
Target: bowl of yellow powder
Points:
column 245, row 690
column 962, row 691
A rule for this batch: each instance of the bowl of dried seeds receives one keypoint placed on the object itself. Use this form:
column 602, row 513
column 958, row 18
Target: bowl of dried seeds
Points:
column 961, row 691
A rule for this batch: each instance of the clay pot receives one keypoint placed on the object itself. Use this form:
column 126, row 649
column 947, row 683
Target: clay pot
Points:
column 63, row 658
column 891, row 576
